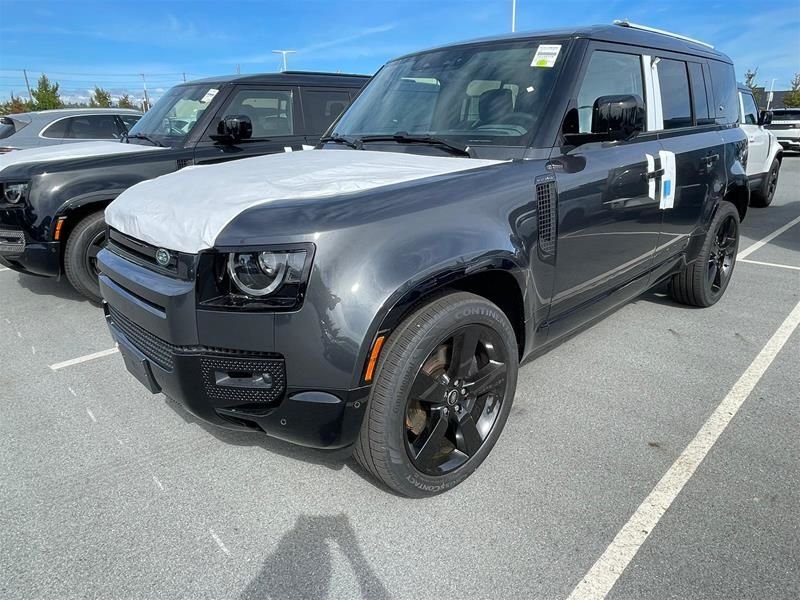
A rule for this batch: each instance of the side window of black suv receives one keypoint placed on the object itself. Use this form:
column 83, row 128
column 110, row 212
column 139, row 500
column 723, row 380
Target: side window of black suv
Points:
column 270, row 110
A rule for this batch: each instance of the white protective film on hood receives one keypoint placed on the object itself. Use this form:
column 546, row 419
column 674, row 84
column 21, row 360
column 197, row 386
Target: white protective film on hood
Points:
column 70, row 150
column 187, row 210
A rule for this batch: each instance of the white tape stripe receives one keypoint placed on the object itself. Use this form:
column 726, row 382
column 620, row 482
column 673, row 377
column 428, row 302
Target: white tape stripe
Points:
column 762, row 242
column 604, row 573
column 768, row 264
column 83, row 359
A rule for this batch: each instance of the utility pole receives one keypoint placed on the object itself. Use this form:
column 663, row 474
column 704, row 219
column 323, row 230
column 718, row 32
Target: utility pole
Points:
column 184, row 78
column 238, row 69
column 770, row 95
column 513, row 16
column 27, row 85
column 146, row 99
column 284, row 53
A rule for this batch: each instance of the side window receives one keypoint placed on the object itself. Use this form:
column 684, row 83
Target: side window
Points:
column 56, row 130
column 321, row 107
column 699, row 95
column 726, row 97
column 129, row 120
column 271, row 111
column 608, row 73
column 676, row 104
column 93, row 127
column 750, row 109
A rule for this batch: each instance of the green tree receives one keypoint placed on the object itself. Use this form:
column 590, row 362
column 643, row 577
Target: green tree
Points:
column 792, row 99
column 14, row 105
column 126, row 102
column 45, row 96
column 100, row 98
column 750, row 81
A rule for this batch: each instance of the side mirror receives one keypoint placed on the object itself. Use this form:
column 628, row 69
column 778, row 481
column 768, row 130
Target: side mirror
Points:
column 232, row 129
column 765, row 117
column 617, row 118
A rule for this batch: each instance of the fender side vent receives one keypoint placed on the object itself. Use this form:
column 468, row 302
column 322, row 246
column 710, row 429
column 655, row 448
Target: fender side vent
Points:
column 546, row 207
column 184, row 162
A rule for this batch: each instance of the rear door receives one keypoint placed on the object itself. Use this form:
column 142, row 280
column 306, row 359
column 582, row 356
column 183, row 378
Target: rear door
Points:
column 693, row 146
column 608, row 212
column 276, row 114
column 321, row 107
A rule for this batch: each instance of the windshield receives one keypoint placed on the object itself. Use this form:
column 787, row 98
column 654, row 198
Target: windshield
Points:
column 491, row 94
column 175, row 114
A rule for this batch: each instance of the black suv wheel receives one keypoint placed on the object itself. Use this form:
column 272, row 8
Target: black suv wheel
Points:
column 80, row 256
column 703, row 282
column 442, row 394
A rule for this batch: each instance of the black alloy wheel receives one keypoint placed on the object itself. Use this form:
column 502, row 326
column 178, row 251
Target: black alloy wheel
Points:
column 723, row 253
column 455, row 400
column 96, row 243
column 80, row 255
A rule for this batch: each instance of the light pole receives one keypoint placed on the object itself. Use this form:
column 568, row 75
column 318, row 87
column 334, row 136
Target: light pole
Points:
column 513, row 16
column 284, row 53
column 770, row 95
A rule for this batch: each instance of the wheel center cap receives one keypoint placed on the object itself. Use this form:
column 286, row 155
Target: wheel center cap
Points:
column 452, row 397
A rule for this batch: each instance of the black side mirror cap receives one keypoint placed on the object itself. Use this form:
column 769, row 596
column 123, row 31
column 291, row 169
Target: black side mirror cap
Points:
column 765, row 117
column 232, row 129
column 619, row 117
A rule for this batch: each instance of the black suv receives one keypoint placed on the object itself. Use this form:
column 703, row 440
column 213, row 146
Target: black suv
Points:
column 52, row 199
column 476, row 204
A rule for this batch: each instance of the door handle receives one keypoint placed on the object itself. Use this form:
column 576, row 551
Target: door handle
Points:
column 711, row 159
column 654, row 174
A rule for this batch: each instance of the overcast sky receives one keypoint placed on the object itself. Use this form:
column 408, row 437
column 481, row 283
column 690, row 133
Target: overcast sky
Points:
column 80, row 43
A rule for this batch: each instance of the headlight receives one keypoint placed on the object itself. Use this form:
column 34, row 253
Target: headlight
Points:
column 14, row 193
column 259, row 274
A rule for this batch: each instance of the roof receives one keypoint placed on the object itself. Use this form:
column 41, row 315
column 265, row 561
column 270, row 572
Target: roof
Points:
column 606, row 33
column 68, row 112
column 290, row 78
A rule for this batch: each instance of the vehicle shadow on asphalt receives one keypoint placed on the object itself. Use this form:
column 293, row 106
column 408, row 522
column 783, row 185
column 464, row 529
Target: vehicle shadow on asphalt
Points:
column 45, row 286
column 302, row 565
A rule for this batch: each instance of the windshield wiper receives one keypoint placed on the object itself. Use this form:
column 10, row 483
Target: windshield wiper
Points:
column 141, row 136
column 338, row 139
column 403, row 137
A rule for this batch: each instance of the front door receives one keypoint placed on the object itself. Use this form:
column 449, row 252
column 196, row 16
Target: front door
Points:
column 757, row 136
column 277, row 124
column 608, row 209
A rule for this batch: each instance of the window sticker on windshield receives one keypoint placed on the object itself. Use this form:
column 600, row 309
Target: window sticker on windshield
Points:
column 546, row 55
column 209, row 95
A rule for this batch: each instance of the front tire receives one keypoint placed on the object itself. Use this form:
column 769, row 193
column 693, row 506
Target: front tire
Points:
column 704, row 281
column 763, row 196
column 442, row 394
column 80, row 257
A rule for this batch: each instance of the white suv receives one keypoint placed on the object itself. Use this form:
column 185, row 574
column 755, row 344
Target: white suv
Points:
column 786, row 125
column 764, row 154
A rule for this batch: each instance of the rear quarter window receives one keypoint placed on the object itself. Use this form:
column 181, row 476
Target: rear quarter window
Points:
column 726, row 92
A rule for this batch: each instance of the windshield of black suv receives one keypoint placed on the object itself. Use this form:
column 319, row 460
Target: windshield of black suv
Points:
column 486, row 94
column 174, row 115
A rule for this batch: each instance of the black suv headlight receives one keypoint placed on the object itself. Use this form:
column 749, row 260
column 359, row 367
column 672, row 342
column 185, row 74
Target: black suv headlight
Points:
column 15, row 193
column 273, row 278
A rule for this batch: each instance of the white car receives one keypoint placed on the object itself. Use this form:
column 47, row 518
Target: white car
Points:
column 786, row 125
column 764, row 154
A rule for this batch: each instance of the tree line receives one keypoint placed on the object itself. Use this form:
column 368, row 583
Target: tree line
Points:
column 45, row 96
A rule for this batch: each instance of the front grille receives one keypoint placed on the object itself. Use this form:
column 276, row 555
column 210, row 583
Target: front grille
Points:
column 139, row 252
column 270, row 366
column 152, row 346
column 782, row 126
column 546, row 211
column 12, row 241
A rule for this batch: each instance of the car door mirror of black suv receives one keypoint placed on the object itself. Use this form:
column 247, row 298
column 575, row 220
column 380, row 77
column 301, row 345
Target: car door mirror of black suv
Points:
column 618, row 118
column 232, row 129
column 765, row 117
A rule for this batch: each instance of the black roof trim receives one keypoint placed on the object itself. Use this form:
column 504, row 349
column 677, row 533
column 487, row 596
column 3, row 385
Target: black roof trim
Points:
column 603, row 33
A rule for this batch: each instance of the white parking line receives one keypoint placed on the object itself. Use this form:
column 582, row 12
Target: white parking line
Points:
column 768, row 264
column 82, row 359
column 596, row 584
column 91, row 415
column 766, row 240
column 219, row 542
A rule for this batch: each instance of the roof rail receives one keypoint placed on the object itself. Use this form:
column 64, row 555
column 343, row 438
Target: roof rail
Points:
column 626, row 23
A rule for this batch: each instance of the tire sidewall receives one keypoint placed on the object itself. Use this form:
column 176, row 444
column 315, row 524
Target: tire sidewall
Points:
column 725, row 210
column 427, row 337
column 75, row 256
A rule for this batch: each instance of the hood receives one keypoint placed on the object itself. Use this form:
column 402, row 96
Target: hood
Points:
column 70, row 151
column 187, row 210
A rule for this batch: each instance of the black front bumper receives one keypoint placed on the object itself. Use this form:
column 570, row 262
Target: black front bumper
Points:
column 26, row 256
column 154, row 320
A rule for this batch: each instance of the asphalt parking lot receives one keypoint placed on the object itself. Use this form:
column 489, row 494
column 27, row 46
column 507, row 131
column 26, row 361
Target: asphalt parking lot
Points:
column 655, row 455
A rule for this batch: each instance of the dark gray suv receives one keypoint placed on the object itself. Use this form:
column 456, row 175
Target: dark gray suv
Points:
column 476, row 204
